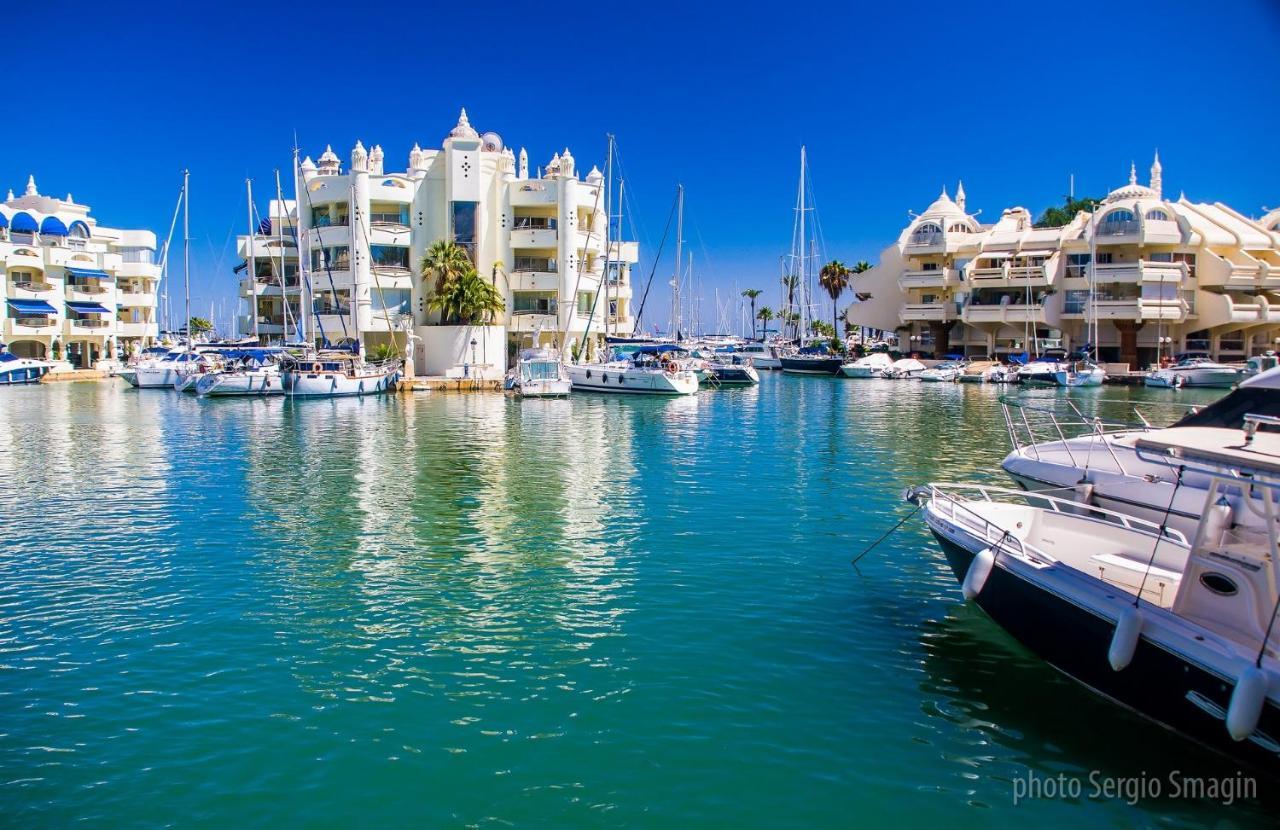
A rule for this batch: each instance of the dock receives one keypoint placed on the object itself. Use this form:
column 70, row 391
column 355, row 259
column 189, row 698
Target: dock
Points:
column 442, row 384
column 76, row 375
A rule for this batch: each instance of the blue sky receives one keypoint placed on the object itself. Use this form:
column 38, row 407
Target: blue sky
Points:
column 893, row 100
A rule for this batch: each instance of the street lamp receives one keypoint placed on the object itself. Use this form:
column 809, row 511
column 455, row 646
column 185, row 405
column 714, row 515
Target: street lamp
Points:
column 473, row 354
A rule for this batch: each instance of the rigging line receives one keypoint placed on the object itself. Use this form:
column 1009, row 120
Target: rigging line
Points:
column 324, row 257
column 886, row 534
column 637, row 226
column 1160, row 536
column 657, row 257
column 578, row 282
column 378, row 285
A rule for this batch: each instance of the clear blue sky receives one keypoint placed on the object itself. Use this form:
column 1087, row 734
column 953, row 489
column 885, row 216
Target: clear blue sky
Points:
column 894, row 100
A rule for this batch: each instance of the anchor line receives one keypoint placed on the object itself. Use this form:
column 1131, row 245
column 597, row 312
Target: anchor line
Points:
column 1164, row 528
column 887, row 534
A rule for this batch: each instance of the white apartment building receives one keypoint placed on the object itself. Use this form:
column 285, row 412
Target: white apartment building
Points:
column 75, row 291
column 1172, row 276
column 539, row 237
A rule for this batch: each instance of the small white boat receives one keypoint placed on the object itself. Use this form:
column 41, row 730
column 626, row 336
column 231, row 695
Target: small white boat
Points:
column 1195, row 370
column 1078, row 374
column 763, row 355
column 905, row 369
column 732, row 369
column 538, row 373
column 158, row 370
column 336, row 375
column 253, row 372
column 945, row 372
column 15, row 370
column 871, row 366
column 1043, row 369
column 649, row 369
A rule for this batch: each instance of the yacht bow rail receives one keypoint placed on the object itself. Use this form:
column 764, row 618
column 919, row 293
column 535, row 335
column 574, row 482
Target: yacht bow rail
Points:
column 953, row 500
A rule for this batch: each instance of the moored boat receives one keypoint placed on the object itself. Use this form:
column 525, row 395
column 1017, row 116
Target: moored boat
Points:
column 812, row 360
column 870, row 366
column 732, row 370
column 20, row 370
column 333, row 374
column 538, row 373
column 945, row 372
column 903, row 369
column 1195, row 370
column 253, row 372
column 649, row 369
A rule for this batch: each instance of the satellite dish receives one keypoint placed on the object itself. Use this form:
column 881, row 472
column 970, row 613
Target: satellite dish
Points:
column 492, row 143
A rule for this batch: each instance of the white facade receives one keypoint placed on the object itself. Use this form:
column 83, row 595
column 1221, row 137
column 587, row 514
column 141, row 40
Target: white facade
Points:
column 540, row 239
column 1171, row 276
column 74, row 290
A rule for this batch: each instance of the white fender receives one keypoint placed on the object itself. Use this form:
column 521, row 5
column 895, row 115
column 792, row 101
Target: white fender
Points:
column 1246, row 703
column 979, row 569
column 1084, row 491
column 1125, row 639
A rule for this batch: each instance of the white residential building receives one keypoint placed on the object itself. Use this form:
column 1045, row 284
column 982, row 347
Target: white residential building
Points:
column 74, row 290
column 1172, row 276
column 539, row 237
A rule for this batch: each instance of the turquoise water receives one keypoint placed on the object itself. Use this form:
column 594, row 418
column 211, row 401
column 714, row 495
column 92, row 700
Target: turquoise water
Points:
column 467, row 610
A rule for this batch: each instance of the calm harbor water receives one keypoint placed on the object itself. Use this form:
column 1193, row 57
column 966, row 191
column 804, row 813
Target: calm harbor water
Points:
column 470, row 610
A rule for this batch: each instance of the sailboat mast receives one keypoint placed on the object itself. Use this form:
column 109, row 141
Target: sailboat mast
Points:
column 253, row 260
column 675, row 283
column 617, row 289
column 803, row 278
column 186, row 249
column 608, row 229
column 284, row 291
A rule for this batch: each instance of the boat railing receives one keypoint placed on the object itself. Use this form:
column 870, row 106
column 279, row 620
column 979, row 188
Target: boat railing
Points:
column 1032, row 427
column 952, row 500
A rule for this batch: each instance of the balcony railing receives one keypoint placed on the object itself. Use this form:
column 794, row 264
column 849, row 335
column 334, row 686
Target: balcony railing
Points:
column 323, row 220
column 921, row 239
column 546, row 266
column 552, row 307
column 533, row 223
column 86, row 289
column 1119, row 228
column 35, row 322
column 33, row 286
column 89, row 322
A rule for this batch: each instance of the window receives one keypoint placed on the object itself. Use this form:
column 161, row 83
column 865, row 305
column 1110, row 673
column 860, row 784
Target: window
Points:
column 336, row 258
column 332, row 302
column 533, row 302
column 389, row 301
column 1157, row 215
column 927, row 234
column 1075, row 302
column 389, row 256
column 389, row 213
column 463, row 224
column 586, row 301
column 533, row 263
column 929, row 266
column 131, row 254
column 1163, row 292
column 327, row 216
column 539, row 223
column 958, row 228
column 1118, row 222
column 1188, row 260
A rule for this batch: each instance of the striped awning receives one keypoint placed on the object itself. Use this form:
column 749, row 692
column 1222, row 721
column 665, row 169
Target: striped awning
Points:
column 88, row 273
column 31, row 308
column 81, row 307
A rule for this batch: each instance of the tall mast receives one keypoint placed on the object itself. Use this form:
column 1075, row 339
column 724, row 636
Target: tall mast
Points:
column 284, row 290
column 617, row 289
column 306, row 303
column 186, row 249
column 253, row 261
column 608, row 229
column 803, row 281
column 675, row 284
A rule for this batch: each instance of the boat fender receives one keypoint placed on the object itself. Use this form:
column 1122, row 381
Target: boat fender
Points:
column 1217, row 519
column 1084, row 491
column 1245, row 708
column 1125, row 639
column 979, row 569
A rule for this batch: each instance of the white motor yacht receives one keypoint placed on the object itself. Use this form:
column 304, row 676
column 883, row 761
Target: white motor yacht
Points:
column 647, row 369
column 871, row 366
column 1101, row 465
column 334, row 374
column 538, row 373
column 904, row 369
column 945, row 372
column 15, row 370
column 1195, row 370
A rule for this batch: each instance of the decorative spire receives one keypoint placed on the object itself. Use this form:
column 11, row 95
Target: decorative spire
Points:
column 329, row 164
column 1133, row 173
column 10, row 197
column 595, row 176
column 960, row 195
column 524, row 164
column 359, row 158
column 1157, row 176
column 69, row 200
column 31, row 187
column 375, row 160
column 567, row 163
column 463, row 128
column 415, row 157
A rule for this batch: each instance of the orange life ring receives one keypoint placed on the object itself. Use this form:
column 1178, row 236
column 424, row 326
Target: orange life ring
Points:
column 671, row 367
column 316, row 367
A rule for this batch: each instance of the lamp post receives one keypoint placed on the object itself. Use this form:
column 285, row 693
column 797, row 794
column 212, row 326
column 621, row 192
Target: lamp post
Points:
column 473, row 356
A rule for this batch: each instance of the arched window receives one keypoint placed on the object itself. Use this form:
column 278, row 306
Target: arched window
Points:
column 1118, row 222
column 958, row 227
column 79, row 230
column 928, row 233
column 1117, row 216
column 1157, row 215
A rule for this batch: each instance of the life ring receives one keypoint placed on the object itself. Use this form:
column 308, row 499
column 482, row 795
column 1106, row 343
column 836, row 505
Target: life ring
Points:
column 315, row 367
column 671, row 367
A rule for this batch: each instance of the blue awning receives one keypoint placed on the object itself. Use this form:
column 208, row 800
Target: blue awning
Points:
column 87, row 308
column 88, row 272
column 30, row 307
column 24, row 223
column 53, row 226
column 4, row 221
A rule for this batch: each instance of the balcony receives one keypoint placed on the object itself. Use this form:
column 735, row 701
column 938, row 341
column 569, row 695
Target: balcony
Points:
column 1010, row 313
column 31, row 325
column 28, row 261
column 88, row 325
column 533, row 192
column 33, row 290
column 88, row 293
column 927, row 312
column 534, row 238
column 936, row 278
column 922, row 243
column 1033, row 275
column 129, row 328
column 136, row 299
column 531, row 321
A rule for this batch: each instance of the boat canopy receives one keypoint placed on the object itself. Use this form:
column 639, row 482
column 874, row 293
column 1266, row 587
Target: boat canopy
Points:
column 28, row 308
column 657, row 348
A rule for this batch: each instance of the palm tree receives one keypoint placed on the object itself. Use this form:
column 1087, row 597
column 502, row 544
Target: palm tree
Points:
column 764, row 315
column 860, row 267
column 790, row 282
column 751, row 294
column 446, row 261
column 467, row 300
column 834, row 277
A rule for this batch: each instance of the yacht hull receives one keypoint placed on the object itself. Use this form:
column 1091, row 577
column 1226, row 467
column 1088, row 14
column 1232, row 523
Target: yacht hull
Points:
column 150, row 377
column 734, row 375
column 543, row 388
column 766, row 362
column 621, row 381
column 305, row 384
column 829, row 366
column 232, row 384
column 1160, row 683
column 29, row 372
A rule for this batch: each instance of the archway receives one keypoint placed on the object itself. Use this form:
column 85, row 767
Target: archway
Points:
column 33, row 349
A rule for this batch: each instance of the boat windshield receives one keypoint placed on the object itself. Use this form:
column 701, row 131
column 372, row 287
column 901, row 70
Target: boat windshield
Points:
column 540, row 370
column 1229, row 412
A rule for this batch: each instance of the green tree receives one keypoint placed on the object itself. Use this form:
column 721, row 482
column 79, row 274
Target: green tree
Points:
column 445, row 261
column 751, row 294
column 790, row 282
column 764, row 315
column 1056, row 217
column 383, row 352
column 834, row 278
column 467, row 300
column 199, row 325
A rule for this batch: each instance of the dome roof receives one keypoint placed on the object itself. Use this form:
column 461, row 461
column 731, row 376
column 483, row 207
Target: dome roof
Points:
column 943, row 206
column 1132, row 190
column 463, row 129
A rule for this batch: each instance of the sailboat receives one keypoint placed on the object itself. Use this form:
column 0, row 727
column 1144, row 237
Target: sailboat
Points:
column 816, row 358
